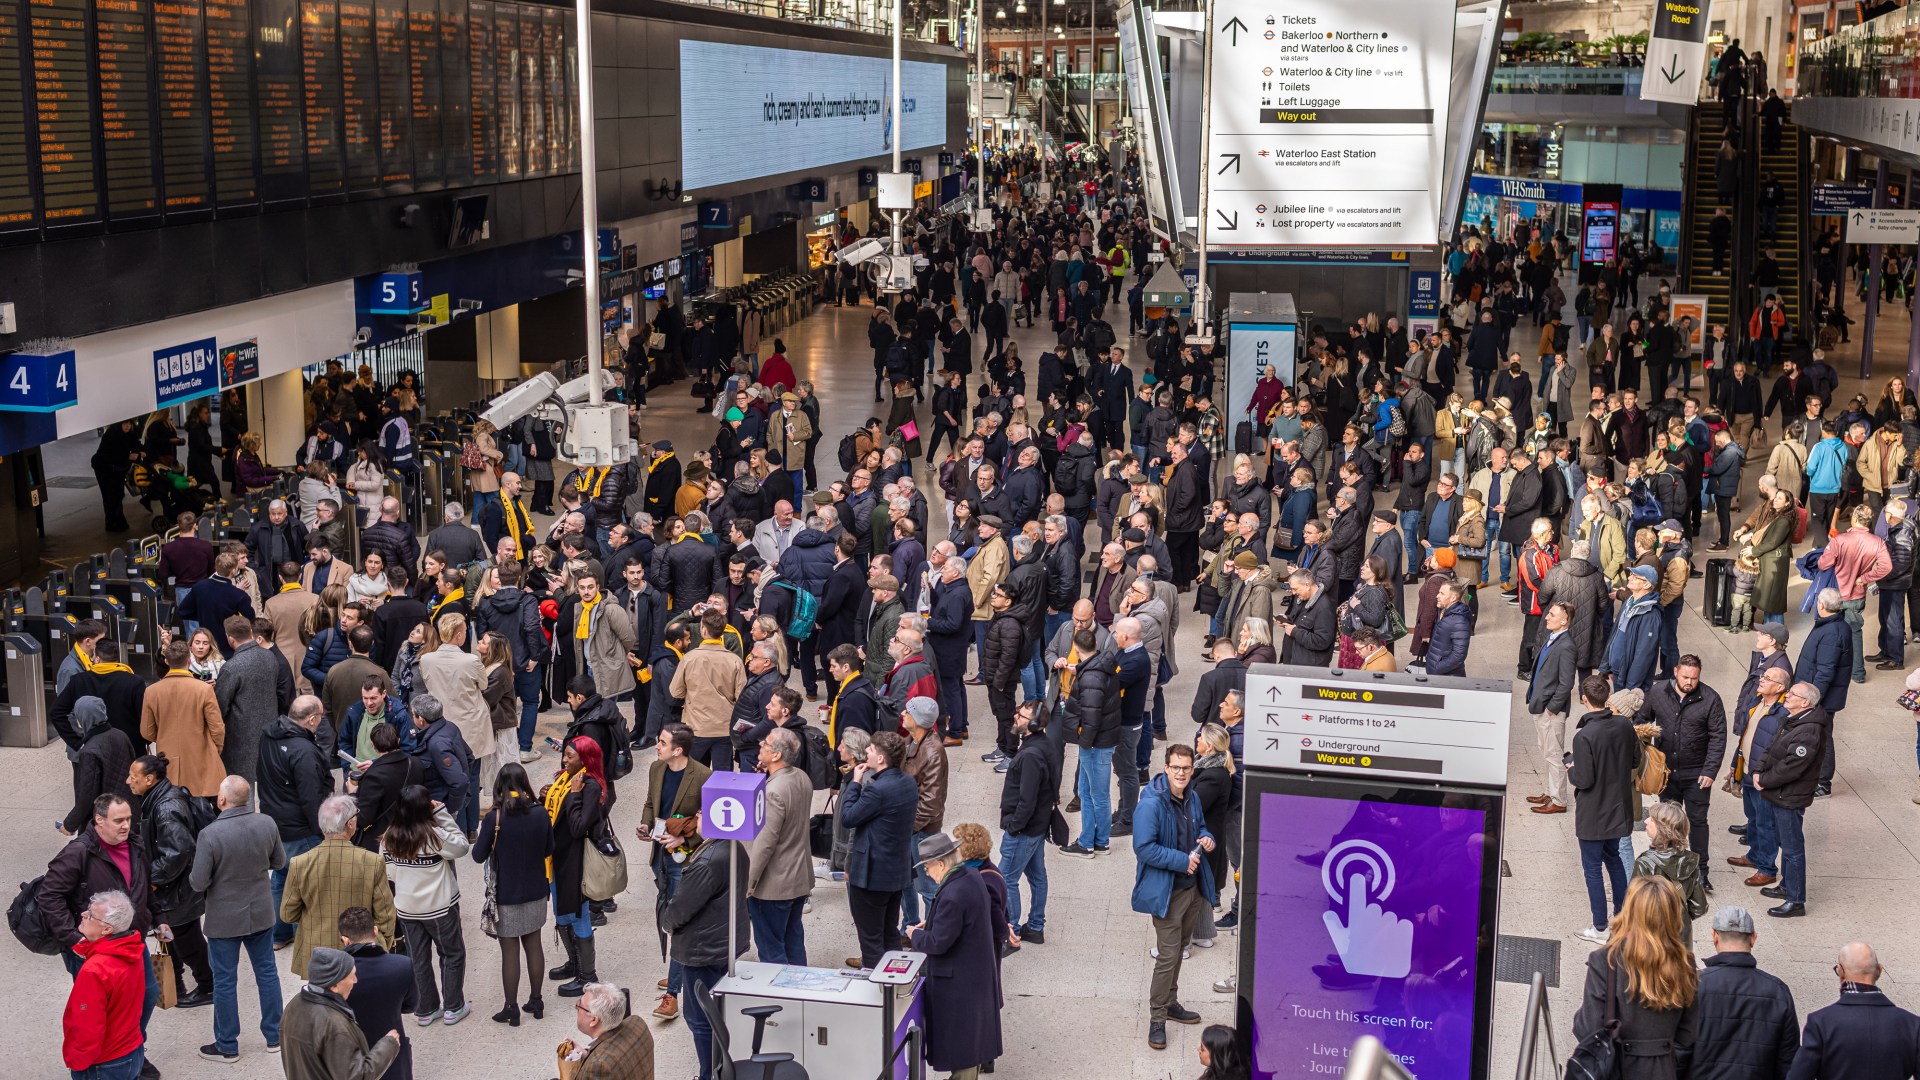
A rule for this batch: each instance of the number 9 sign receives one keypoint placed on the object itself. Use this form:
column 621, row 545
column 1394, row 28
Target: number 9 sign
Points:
column 38, row 382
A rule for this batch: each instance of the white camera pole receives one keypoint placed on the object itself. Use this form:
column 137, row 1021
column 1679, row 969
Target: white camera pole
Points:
column 899, row 127
column 589, row 199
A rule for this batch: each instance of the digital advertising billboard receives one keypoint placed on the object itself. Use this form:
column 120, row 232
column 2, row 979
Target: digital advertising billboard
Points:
column 1371, row 913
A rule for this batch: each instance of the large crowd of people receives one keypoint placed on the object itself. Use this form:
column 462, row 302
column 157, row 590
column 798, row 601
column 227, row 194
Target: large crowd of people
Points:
column 329, row 742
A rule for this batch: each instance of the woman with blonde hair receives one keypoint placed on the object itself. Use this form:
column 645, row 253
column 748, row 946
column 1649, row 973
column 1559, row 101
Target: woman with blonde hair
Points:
column 324, row 615
column 976, row 850
column 203, row 656
column 318, row 483
column 1644, row 977
column 480, row 455
column 767, row 628
column 250, row 470
column 1668, row 856
column 1218, row 790
column 1469, row 539
column 1256, row 642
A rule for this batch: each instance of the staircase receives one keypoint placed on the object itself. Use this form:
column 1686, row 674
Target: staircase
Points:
column 1701, row 200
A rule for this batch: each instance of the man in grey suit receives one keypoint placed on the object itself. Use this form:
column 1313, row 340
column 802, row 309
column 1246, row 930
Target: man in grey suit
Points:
column 251, row 696
column 1550, row 693
column 235, row 853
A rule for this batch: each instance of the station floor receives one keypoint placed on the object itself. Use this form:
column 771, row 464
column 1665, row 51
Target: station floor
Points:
column 1076, row 1007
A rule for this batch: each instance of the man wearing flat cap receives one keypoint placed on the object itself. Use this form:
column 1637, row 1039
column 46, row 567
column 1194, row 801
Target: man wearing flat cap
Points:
column 963, row 966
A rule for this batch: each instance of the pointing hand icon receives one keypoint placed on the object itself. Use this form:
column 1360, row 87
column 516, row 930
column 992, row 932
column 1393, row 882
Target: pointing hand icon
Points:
column 1373, row 941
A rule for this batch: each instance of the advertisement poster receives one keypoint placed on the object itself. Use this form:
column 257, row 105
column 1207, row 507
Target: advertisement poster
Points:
column 1688, row 304
column 1369, row 916
column 1600, row 232
column 239, row 363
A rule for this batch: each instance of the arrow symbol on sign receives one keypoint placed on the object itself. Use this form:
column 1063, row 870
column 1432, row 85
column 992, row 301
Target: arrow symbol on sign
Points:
column 1228, row 222
column 1273, row 693
column 1858, row 217
column 1234, row 160
column 1234, row 26
column 1673, row 70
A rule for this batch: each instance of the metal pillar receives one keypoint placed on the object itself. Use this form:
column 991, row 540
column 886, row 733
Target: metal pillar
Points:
column 1202, row 294
column 589, row 200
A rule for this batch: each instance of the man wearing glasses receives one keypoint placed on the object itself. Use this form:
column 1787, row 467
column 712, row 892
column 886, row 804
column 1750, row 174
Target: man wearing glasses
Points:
column 107, row 1009
column 1172, row 882
column 1785, row 776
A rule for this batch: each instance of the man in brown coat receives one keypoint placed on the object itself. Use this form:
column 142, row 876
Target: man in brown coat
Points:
column 181, row 715
column 708, row 682
column 287, row 611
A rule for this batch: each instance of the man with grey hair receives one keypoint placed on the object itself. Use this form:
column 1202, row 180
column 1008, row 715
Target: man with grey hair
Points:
column 457, row 539
column 1863, row 1034
column 1826, row 661
column 104, row 1026
column 278, row 539
column 1744, row 1019
column 949, row 632
column 780, row 863
column 294, row 780
column 335, row 876
column 1785, row 775
column 926, row 762
column 1132, row 682
column 622, row 1046
column 236, row 852
column 324, row 1041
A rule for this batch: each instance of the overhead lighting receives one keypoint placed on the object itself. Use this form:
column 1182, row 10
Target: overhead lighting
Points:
column 1020, row 8
column 1000, row 13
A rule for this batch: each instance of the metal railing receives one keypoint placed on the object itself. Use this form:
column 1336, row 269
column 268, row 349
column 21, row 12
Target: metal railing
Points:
column 1536, row 1021
column 1534, row 78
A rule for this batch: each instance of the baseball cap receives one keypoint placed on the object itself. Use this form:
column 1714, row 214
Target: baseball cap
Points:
column 1646, row 573
column 924, row 711
column 1776, row 630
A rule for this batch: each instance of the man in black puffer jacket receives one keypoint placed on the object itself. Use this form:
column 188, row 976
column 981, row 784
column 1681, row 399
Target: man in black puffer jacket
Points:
column 170, row 824
column 293, row 781
column 1745, row 1026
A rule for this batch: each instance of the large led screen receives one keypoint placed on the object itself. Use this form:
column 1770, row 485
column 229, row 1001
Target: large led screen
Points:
column 747, row 112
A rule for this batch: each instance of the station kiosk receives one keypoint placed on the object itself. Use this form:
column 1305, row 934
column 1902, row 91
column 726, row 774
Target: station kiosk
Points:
column 838, row 1024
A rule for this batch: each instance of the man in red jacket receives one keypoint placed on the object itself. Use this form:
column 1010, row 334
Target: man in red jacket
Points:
column 101, row 1030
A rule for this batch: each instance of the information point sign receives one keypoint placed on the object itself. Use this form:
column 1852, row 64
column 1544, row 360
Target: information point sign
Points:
column 1328, row 123
column 733, row 806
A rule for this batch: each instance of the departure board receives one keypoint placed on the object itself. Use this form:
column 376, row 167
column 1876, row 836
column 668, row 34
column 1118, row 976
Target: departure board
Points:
column 423, row 87
column 63, row 111
column 283, row 135
column 230, row 95
column 184, row 146
column 533, row 95
column 359, row 85
column 320, row 69
column 126, row 107
column 455, row 102
column 128, row 111
column 395, row 106
column 17, row 209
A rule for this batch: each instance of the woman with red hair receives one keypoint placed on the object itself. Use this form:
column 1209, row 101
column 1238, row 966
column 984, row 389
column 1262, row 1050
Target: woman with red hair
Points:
column 576, row 802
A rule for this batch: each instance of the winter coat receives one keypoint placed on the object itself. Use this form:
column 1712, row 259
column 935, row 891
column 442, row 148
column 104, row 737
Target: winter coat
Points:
column 881, row 811
column 1000, row 654
column 808, row 561
column 170, row 823
column 1862, row 1036
column 327, row 880
column 1605, row 753
column 294, row 779
column 1578, row 582
column 685, row 570
column 103, row 1014
column 950, row 627
column 250, row 698
column 696, row 914
column 228, row 862
column 580, row 815
column 1634, row 646
column 1165, row 833
column 515, row 615
column 101, row 764
column 1693, row 729
column 1654, row 1035
column 1745, row 1024
column 322, row 1041
column 1447, row 649
column 1789, row 770
column 1073, row 477
column 962, row 946
column 1826, row 660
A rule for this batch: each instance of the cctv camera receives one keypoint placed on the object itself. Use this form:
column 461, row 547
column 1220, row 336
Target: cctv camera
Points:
column 861, row 251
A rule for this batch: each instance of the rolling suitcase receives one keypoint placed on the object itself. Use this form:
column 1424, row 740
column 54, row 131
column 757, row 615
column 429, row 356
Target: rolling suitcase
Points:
column 1717, row 604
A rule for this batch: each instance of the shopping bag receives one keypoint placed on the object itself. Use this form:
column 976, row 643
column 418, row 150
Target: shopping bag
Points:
column 162, row 961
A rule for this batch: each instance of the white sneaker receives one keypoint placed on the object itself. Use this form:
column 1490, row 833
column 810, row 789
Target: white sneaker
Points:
column 1228, row 985
column 1598, row 937
column 1203, row 943
column 1184, row 953
column 527, row 757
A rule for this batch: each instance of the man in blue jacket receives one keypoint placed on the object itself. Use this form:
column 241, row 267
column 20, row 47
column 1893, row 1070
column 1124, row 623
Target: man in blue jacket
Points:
column 1171, row 882
column 1133, row 677
column 949, row 632
column 1826, row 661
column 879, row 806
column 443, row 750
column 1862, row 1034
column 1633, row 651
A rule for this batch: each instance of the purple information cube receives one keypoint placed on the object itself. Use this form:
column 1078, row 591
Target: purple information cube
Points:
column 733, row 806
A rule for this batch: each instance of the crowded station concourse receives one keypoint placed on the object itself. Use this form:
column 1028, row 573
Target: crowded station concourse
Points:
column 963, row 583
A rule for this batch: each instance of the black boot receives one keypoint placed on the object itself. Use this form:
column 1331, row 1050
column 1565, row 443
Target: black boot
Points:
column 536, row 1007
column 572, row 967
column 583, row 953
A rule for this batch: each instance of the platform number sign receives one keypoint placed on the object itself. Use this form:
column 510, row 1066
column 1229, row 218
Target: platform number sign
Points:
column 398, row 294
column 38, row 382
column 715, row 215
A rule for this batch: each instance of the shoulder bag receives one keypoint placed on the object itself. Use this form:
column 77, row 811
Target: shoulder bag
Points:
column 603, row 874
column 1597, row 1057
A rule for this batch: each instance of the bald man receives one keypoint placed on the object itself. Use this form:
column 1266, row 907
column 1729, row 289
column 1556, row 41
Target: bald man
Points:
column 1863, row 1036
column 234, row 855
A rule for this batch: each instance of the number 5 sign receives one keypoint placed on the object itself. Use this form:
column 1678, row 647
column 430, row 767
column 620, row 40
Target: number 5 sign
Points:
column 38, row 382
column 733, row 806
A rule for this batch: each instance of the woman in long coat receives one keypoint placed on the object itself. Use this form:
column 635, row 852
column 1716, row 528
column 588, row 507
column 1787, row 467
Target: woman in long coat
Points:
column 1772, row 548
column 963, row 967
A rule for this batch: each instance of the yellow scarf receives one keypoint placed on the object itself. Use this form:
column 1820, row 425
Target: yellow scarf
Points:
column 1066, row 673
column 655, row 463
column 289, row 586
column 833, row 714
column 108, row 669
column 518, row 525
column 586, row 615
column 448, row 599
column 596, row 477
column 86, row 661
column 556, row 794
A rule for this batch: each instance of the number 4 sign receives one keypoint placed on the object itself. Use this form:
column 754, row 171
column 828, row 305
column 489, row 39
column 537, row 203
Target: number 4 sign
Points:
column 38, row 382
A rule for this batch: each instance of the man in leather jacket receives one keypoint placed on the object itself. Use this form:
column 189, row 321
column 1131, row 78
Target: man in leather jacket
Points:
column 1785, row 776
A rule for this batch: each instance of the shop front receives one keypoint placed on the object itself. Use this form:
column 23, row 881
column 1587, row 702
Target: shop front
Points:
column 1648, row 215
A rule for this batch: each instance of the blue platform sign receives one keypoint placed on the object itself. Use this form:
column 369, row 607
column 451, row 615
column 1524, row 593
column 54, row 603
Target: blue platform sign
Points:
column 184, row 372
column 1423, row 294
column 946, row 159
column 38, row 382
column 914, row 165
column 715, row 215
column 1834, row 200
column 609, row 244
column 398, row 294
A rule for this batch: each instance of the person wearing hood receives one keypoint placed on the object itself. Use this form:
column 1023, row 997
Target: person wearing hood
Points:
column 100, row 765
column 120, row 692
column 594, row 717
column 102, row 1032
column 293, row 783
column 322, row 1037
column 1633, row 650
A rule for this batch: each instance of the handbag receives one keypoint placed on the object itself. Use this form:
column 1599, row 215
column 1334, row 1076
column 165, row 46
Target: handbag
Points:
column 1283, row 538
column 1396, row 626
column 1653, row 771
column 490, row 907
column 909, row 431
column 1910, row 700
column 656, row 341
column 603, row 873
column 1597, row 1057
column 1736, row 773
column 162, row 961
column 820, row 830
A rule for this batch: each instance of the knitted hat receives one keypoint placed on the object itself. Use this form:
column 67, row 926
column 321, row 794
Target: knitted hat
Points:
column 328, row 967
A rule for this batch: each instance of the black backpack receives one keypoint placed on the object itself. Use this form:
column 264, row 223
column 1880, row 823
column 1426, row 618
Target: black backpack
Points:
column 847, row 458
column 29, row 924
column 820, row 764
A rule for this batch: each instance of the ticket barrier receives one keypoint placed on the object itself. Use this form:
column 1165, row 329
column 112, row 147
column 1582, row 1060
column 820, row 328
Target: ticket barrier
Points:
column 51, row 632
column 24, row 694
column 836, row 1024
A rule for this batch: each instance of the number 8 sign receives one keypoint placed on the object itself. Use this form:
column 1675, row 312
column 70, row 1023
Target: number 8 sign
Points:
column 38, row 382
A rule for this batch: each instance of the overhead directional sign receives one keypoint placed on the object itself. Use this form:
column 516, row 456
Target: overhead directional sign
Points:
column 1419, row 727
column 1838, row 200
column 1883, row 226
column 1147, row 102
column 1328, row 123
column 1676, row 52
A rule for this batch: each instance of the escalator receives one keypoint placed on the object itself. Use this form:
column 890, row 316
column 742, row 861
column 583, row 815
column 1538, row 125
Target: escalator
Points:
column 1785, row 166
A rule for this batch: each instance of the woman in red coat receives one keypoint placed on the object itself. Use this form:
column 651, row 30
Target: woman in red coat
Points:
column 775, row 371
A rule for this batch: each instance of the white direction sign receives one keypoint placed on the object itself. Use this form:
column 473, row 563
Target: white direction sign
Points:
column 1676, row 52
column 1435, row 729
column 1328, row 123
column 1883, row 226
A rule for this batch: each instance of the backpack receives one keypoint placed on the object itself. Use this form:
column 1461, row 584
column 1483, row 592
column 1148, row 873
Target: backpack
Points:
column 806, row 612
column 1646, row 507
column 28, row 923
column 848, row 457
column 1653, row 771
column 1799, row 522
column 899, row 366
column 819, row 754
